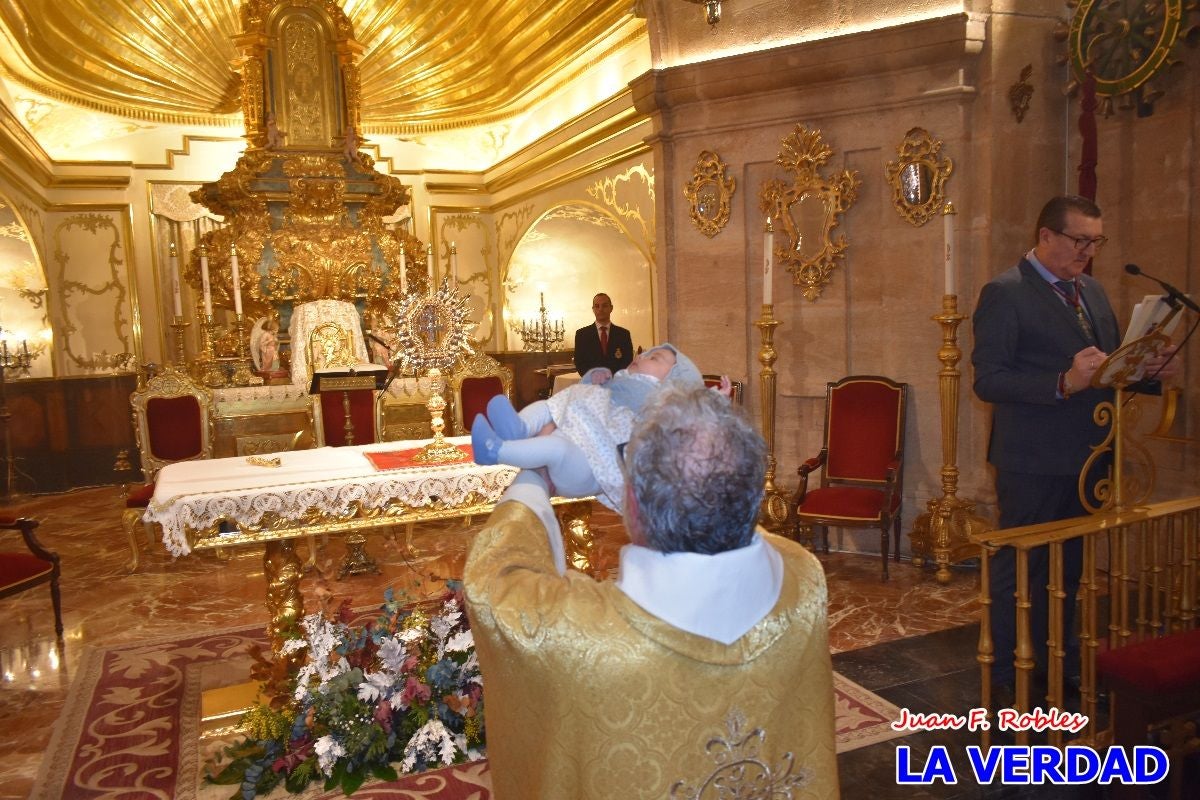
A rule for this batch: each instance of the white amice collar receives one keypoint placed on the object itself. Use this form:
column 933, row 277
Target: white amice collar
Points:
column 717, row 596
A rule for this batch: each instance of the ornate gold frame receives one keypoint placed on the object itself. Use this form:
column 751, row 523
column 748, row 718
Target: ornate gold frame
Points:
column 709, row 213
column 803, row 153
column 918, row 177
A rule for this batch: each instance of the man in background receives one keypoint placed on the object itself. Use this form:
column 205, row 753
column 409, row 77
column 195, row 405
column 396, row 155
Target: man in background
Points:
column 713, row 630
column 602, row 344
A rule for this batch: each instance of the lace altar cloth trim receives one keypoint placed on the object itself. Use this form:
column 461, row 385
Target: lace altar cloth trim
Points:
column 196, row 495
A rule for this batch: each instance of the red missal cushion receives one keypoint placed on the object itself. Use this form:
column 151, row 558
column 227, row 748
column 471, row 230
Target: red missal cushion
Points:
column 1155, row 665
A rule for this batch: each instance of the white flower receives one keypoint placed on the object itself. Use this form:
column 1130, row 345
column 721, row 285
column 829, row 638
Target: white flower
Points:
column 432, row 741
column 329, row 750
column 374, row 686
column 392, row 653
column 460, row 642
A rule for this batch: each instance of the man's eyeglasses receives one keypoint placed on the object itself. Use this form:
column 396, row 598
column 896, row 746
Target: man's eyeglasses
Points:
column 1083, row 242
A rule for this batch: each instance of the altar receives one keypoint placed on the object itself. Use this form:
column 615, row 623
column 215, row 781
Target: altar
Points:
column 274, row 499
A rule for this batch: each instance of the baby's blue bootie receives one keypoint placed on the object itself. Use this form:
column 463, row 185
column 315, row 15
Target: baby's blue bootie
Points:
column 505, row 419
column 484, row 442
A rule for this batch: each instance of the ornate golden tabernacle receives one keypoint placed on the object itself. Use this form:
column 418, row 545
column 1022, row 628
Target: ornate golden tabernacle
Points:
column 304, row 207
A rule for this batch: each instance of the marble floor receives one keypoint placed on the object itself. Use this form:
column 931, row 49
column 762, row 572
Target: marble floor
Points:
column 103, row 604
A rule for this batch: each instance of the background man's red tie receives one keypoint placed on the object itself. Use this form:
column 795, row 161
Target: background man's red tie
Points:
column 604, row 340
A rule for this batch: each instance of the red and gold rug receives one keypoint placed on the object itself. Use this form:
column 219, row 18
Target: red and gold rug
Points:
column 131, row 726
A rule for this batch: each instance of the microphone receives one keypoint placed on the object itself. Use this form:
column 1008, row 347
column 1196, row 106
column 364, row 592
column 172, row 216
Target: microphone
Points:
column 1172, row 292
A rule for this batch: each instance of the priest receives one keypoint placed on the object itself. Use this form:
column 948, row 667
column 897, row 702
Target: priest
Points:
column 711, row 645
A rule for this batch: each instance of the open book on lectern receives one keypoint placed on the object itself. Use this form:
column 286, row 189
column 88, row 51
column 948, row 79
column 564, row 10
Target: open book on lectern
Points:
column 1147, row 314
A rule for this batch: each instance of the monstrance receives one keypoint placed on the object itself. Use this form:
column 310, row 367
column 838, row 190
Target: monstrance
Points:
column 431, row 330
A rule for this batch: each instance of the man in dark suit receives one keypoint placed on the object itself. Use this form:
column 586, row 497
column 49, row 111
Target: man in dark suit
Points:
column 1042, row 328
column 602, row 344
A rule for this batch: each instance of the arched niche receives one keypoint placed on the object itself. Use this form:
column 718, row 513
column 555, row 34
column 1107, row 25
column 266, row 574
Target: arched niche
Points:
column 24, row 297
column 570, row 253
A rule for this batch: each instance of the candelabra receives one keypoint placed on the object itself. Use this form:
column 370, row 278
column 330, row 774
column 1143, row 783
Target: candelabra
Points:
column 943, row 533
column 542, row 335
column 243, row 371
column 13, row 360
column 775, row 504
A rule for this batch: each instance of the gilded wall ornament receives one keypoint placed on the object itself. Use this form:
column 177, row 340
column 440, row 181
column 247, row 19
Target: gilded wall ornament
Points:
column 709, row 193
column 808, row 209
column 918, row 177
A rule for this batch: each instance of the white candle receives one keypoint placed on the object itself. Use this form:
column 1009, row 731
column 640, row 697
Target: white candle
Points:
column 429, row 265
column 204, row 281
column 233, row 272
column 768, row 261
column 175, row 293
column 403, row 269
column 948, row 214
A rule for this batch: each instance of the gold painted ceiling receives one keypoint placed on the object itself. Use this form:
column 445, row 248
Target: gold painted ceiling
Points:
column 428, row 65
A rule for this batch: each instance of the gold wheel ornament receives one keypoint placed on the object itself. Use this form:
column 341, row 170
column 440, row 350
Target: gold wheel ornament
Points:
column 709, row 193
column 807, row 210
column 1125, row 45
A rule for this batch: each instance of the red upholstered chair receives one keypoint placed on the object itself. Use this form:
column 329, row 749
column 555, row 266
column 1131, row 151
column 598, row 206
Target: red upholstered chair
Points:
column 35, row 565
column 739, row 388
column 173, row 420
column 477, row 380
column 862, row 460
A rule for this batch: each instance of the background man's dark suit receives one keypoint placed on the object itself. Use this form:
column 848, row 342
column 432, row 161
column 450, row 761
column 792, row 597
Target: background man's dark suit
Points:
column 1025, row 336
column 587, row 349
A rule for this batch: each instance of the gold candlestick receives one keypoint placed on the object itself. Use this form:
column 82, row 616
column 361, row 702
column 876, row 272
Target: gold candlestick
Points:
column 943, row 533
column 775, row 505
column 207, row 368
column 242, row 373
column 180, row 347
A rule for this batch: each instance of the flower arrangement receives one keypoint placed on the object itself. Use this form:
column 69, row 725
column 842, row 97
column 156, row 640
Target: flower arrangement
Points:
column 402, row 692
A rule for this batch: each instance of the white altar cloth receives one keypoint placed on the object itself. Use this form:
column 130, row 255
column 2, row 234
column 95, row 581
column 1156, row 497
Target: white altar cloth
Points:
column 195, row 495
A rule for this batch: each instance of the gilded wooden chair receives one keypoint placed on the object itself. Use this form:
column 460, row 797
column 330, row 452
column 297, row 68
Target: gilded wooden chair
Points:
column 33, row 566
column 475, row 381
column 862, row 461
column 172, row 418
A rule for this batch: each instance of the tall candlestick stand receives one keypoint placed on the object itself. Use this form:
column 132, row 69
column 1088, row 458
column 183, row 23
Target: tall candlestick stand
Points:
column 542, row 334
column 775, row 505
column 243, row 372
column 180, row 348
column 943, row 533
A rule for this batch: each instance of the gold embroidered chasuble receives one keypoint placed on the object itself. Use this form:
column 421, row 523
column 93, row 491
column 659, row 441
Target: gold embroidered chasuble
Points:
column 589, row 696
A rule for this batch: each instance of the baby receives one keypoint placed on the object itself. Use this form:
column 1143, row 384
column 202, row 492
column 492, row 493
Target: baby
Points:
column 574, row 435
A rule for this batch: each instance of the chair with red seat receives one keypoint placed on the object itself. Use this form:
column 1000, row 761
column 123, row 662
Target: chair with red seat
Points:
column 173, row 420
column 738, row 388
column 475, row 381
column 24, row 569
column 862, row 460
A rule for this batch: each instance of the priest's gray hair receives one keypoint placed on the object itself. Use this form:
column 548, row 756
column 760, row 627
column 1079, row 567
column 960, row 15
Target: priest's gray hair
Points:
column 696, row 466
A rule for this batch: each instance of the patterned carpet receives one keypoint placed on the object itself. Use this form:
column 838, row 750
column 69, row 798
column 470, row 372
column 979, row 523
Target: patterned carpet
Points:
column 131, row 726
